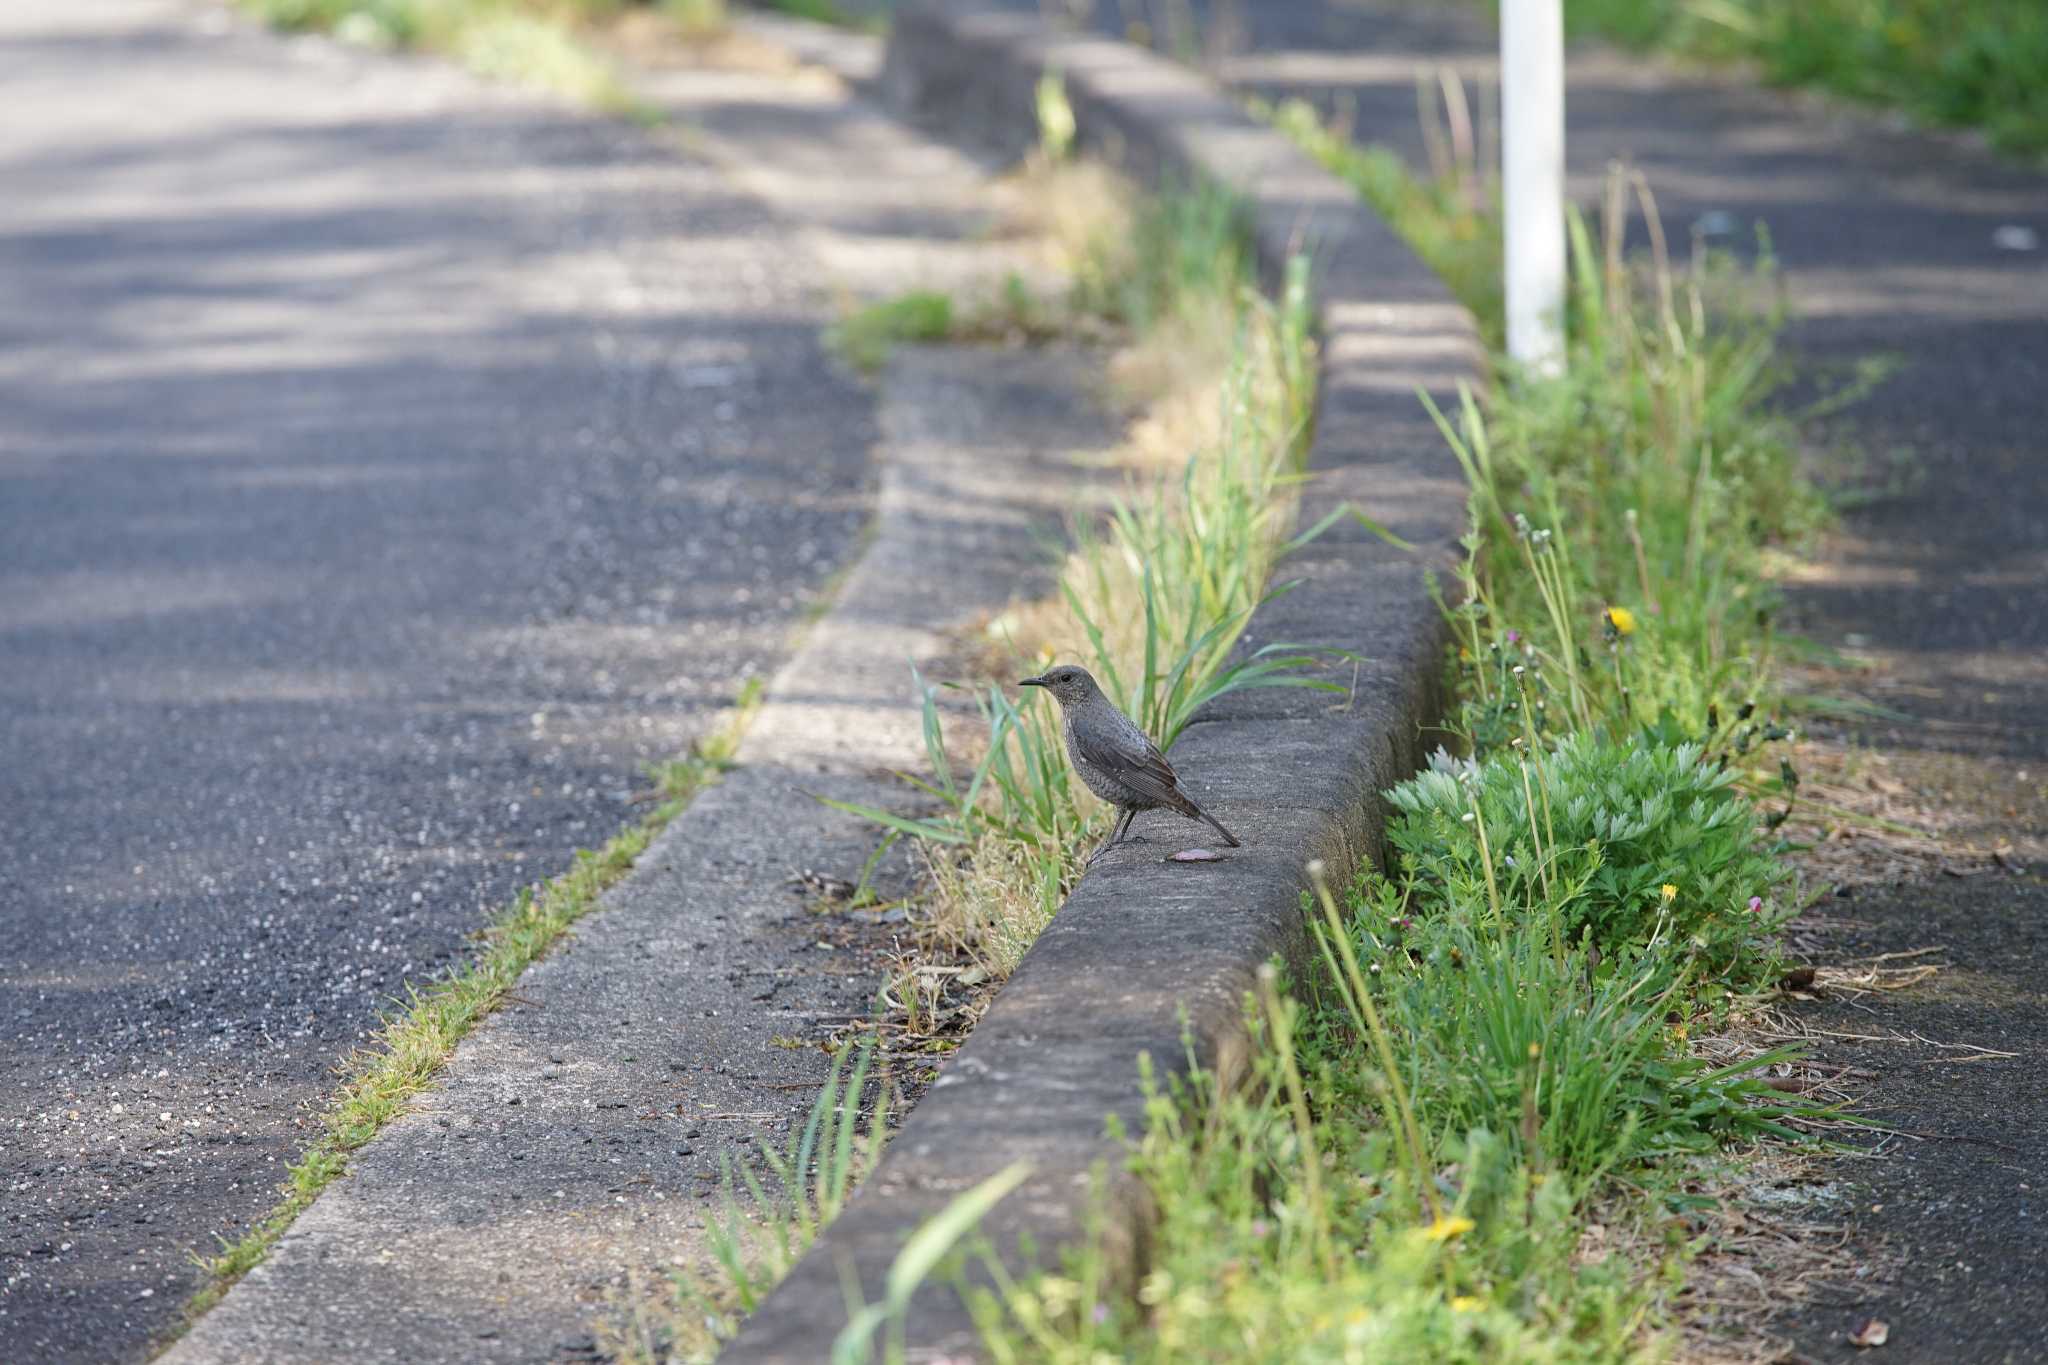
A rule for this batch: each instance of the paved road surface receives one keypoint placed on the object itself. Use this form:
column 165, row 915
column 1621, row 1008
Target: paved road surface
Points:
column 389, row 467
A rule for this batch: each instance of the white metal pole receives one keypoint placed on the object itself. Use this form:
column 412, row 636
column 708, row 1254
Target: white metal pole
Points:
column 1532, row 179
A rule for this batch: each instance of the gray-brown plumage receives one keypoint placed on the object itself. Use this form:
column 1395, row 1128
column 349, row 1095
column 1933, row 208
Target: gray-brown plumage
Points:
column 1118, row 761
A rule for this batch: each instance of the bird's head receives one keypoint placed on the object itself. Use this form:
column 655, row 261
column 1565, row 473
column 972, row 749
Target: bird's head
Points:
column 1067, row 683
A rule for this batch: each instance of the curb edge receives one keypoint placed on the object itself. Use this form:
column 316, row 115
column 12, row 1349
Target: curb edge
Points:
column 1143, row 958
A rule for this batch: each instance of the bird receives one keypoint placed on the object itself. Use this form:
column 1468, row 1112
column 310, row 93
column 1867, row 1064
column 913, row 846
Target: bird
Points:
column 1117, row 760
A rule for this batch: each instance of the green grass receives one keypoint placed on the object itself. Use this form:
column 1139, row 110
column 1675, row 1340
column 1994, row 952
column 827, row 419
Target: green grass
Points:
column 416, row 1039
column 1962, row 63
column 769, row 1217
column 1622, row 515
column 1179, row 260
column 827, row 12
column 533, row 42
column 865, row 337
column 1654, row 478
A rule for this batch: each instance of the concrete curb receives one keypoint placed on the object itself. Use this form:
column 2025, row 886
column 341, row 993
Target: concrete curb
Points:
column 1145, row 955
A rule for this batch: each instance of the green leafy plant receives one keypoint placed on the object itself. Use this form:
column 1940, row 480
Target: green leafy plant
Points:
column 1618, row 840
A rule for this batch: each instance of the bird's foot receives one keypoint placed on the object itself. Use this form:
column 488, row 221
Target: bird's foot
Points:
column 1107, row 844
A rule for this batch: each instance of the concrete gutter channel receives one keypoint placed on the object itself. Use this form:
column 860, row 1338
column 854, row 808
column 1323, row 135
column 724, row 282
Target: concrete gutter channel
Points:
column 1148, row 957
column 478, row 1227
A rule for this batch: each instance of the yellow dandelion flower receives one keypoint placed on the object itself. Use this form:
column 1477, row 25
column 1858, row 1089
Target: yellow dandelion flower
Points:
column 1669, row 892
column 1467, row 1303
column 1622, row 619
column 1443, row 1229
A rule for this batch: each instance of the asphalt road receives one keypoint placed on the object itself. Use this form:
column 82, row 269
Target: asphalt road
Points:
column 1933, row 255
column 389, row 468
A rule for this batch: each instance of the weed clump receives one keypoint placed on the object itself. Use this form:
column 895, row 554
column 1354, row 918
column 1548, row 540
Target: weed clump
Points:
column 1604, row 843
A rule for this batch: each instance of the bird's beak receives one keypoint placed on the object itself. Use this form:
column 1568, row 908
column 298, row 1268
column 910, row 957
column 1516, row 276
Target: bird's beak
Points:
column 1034, row 682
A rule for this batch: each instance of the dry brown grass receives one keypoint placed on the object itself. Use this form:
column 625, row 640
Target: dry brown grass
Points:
column 1769, row 1233
column 1867, row 821
column 1773, row 1242
column 981, row 909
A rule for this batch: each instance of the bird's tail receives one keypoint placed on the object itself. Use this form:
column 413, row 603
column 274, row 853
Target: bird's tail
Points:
column 1215, row 824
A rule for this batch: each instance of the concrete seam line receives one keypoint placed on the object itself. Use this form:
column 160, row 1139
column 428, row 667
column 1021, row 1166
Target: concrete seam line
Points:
column 1149, row 957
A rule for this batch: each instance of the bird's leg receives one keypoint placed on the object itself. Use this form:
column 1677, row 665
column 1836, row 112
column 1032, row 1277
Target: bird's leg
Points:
column 1116, row 834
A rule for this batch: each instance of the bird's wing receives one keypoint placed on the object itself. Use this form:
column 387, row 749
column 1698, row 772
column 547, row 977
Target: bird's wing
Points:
column 1139, row 766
